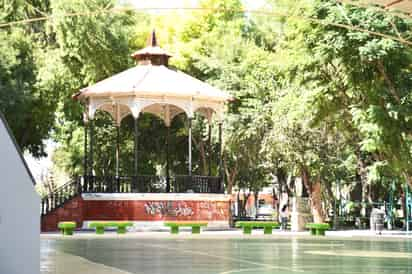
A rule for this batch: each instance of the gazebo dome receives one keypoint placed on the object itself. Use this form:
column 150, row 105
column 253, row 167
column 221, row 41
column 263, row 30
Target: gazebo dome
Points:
column 153, row 87
column 152, row 54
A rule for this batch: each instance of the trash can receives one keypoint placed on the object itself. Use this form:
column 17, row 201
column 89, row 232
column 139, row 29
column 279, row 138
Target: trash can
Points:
column 377, row 220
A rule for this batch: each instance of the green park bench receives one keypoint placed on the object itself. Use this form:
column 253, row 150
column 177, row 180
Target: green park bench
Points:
column 318, row 228
column 120, row 226
column 248, row 226
column 174, row 226
column 67, row 227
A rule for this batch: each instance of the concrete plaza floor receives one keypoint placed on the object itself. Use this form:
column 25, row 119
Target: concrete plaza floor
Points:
column 225, row 252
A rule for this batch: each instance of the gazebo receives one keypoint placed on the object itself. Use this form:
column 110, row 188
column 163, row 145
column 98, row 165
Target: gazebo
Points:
column 151, row 87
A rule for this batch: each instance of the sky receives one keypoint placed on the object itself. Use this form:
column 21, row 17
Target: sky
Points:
column 249, row 4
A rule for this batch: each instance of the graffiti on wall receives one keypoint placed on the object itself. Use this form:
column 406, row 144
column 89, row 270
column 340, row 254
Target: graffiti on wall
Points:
column 168, row 209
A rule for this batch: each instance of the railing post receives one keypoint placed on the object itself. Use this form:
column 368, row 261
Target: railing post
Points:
column 168, row 159
column 47, row 205
column 85, row 165
column 55, row 200
column 209, row 142
column 50, row 202
column 136, row 153
column 61, row 196
column 79, row 186
column 190, row 146
column 83, row 189
column 91, row 129
column 117, row 149
column 221, row 174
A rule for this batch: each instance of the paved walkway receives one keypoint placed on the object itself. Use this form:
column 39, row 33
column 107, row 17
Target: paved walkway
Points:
column 236, row 233
column 225, row 252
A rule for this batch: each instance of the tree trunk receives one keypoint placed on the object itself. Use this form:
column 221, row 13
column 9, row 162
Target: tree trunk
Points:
column 332, row 200
column 245, row 202
column 201, row 147
column 363, row 178
column 388, row 81
column 283, row 182
column 316, row 203
column 230, row 176
column 364, row 198
column 314, row 193
column 203, row 158
column 241, row 205
column 238, row 213
column 408, row 179
column 256, row 194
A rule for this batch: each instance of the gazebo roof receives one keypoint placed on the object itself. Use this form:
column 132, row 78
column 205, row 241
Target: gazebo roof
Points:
column 153, row 87
column 154, row 81
column 151, row 50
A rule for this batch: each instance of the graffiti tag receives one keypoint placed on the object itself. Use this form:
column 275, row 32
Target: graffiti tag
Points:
column 167, row 209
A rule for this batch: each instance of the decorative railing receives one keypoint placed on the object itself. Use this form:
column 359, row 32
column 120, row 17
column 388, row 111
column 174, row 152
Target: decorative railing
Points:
column 60, row 196
column 153, row 184
column 135, row 184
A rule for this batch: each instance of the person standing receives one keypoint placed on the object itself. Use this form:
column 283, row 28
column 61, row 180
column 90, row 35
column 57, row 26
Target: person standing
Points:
column 284, row 217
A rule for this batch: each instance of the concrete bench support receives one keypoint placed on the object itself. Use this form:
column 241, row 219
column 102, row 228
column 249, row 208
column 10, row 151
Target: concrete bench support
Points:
column 317, row 229
column 67, row 228
column 119, row 225
column 248, row 226
column 174, row 226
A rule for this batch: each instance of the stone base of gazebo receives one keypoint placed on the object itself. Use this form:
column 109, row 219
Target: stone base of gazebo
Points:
column 147, row 210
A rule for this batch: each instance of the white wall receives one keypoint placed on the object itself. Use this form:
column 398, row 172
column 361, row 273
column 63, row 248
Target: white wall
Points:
column 19, row 211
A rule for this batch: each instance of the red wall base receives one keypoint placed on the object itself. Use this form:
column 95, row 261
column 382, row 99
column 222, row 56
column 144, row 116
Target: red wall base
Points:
column 80, row 210
column 72, row 211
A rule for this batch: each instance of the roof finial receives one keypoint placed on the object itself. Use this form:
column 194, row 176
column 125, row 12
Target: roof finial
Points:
column 153, row 39
column 152, row 54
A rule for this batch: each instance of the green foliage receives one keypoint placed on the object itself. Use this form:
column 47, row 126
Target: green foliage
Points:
column 372, row 96
column 333, row 104
column 28, row 107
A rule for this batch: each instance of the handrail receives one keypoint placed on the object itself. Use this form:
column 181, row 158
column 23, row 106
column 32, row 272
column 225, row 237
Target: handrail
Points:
column 58, row 189
column 60, row 196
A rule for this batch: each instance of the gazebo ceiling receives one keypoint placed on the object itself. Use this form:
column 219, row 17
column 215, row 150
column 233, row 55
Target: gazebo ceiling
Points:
column 153, row 87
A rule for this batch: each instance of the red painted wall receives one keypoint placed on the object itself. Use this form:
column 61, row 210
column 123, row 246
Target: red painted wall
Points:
column 80, row 210
column 71, row 211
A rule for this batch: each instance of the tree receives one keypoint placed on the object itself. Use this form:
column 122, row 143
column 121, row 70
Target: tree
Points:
column 351, row 83
column 27, row 106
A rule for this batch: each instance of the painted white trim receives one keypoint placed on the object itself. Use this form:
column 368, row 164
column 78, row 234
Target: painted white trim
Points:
column 155, row 197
